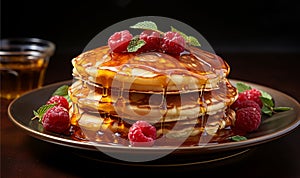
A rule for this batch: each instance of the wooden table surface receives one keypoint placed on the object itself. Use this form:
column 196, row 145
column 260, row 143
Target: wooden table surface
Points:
column 25, row 156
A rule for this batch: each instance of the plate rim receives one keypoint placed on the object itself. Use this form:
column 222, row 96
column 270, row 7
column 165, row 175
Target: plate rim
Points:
column 183, row 149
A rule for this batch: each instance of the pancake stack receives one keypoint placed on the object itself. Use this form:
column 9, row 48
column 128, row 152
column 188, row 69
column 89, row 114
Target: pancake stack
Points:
column 183, row 96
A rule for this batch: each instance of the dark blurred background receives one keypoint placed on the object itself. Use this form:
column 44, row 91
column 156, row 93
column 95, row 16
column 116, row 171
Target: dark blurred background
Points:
column 259, row 39
column 230, row 27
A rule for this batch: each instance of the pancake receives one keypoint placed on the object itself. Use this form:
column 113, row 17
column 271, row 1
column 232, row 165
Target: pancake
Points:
column 182, row 96
column 151, row 71
column 150, row 106
column 100, row 127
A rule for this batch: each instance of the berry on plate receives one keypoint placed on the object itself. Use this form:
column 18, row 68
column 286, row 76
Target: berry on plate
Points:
column 119, row 41
column 141, row 133
column 56, row 119
column 247, row 120
column 59, row 100
column 238, row 104
column 251, row 94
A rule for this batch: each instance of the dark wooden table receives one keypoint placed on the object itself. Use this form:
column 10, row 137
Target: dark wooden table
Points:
column 24, row 156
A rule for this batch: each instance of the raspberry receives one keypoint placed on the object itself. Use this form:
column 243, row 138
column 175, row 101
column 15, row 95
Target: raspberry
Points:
column 141, row 133
column 56, row 119
column 60, row 100
column 247, row 119
column 119, row 41
column 252, row 94
column 173, row 43
column 245, row 103
column 152, row 39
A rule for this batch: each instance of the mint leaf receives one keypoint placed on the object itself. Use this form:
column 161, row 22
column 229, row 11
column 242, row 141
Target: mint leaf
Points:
column 281, row 108
column 268, row 102
column 189, row 39
column 266, row 95
column 135, row 44
column 237, row 138
column 241, row 87
column 62, row 91
column 146, row 25
column 42, row 110
column 185, row 37
column 268, row 105
column 193, row 41
column 267, row 110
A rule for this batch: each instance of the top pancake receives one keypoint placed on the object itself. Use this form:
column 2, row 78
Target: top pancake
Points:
column 195, row 69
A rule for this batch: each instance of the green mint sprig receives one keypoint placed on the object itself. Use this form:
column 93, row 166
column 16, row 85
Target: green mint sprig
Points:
column 146, row 25
column 135, row 44
column 39, row 113
column 61, row 91
column 237, row 138
column 266, row 99
column 241, row 87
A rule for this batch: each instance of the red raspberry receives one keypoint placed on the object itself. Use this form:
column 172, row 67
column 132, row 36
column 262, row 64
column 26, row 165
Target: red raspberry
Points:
column 119, row 41
column 60, row 100
column 252, row 94
column 141, row 133
column 246, row 103
column 56, row 119
column 152, row 39
column 247, row 119
column 173, row 43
